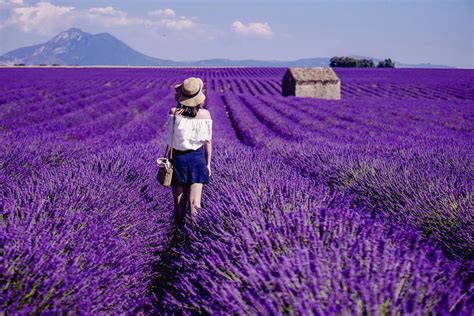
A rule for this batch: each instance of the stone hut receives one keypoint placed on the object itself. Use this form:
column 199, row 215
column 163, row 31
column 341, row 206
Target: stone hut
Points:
column 317, row 82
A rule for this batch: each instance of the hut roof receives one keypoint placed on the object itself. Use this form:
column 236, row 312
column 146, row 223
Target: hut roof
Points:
column 314, row 74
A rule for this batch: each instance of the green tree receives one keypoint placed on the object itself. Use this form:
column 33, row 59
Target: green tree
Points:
column 366, row 63
column 387, row 63
column 345, row 61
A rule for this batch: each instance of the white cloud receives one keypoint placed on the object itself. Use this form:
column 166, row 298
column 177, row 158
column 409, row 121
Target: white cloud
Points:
column 168, row 19
column 253, row 29
column 163, row 13
column 42, row 18
column 177, row 24
column 10, row 3
column 107, row 11
column 108, row 16
column 46, row 18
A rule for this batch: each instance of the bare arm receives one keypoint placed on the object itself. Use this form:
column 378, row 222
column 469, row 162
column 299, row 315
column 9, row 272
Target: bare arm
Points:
column 207, row 143
column 208, row 150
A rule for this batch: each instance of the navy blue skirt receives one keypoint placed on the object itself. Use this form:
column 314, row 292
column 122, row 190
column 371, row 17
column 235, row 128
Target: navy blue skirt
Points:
column 189, row 166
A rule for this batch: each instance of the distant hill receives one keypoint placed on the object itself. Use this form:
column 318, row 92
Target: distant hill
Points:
column 425, row 65
column 76, row 47
column 310, row 62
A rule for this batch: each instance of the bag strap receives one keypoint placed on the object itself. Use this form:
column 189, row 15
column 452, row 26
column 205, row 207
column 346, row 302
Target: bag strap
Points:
column 172, row 135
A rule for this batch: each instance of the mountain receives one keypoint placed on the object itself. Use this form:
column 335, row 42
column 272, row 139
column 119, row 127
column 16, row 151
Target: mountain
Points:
column 310, row 62
column 76, row 47
column 425, row 65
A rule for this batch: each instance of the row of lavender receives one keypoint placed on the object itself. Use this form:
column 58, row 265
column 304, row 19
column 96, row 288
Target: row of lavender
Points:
column 281, row 243
column 82, row 217
column 415, row 84
column 411, row 159
column 79, row 188
column 290, row 244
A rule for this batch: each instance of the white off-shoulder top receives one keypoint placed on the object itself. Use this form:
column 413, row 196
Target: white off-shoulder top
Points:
column 189, row 132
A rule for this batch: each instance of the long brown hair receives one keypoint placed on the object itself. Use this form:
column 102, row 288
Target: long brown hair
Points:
column 190, row 111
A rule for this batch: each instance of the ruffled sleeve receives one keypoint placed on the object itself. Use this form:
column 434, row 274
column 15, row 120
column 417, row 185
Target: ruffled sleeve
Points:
column 189, row 132
column 200, row 129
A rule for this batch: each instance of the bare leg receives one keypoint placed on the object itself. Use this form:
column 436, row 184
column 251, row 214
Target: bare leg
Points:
column 180, row 203
column 195, row 191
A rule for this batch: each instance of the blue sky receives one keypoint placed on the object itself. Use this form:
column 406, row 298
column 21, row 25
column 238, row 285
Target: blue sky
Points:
column 409, row 31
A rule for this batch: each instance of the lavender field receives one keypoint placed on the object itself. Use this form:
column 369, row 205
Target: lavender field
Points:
column 357, row 206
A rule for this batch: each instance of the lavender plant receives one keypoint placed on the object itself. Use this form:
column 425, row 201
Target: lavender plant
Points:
column 357, row 206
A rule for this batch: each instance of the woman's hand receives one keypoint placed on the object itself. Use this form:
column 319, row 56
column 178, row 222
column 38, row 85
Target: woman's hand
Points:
column 209, row 169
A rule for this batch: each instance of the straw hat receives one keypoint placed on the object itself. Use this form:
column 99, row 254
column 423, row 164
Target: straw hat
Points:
column 189, row 92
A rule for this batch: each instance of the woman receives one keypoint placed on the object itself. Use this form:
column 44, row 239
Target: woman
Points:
column 191, row 158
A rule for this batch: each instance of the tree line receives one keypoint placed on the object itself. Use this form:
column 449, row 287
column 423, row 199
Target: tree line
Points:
column 345, row 61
